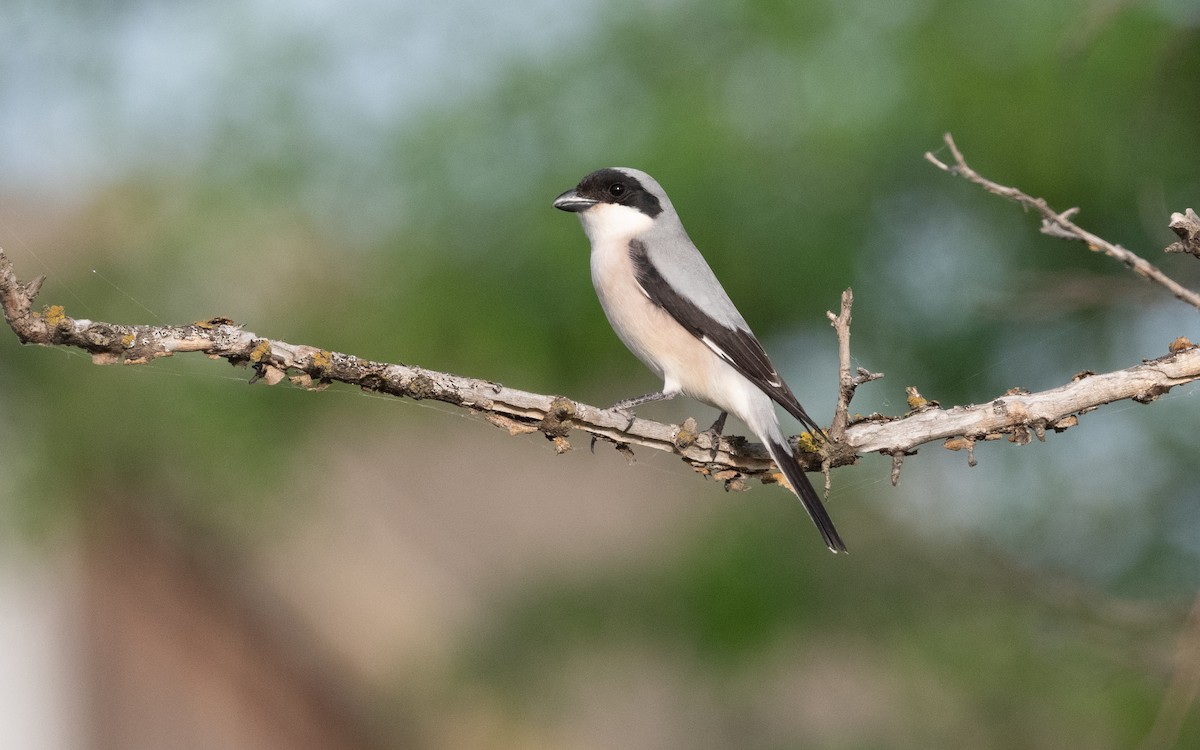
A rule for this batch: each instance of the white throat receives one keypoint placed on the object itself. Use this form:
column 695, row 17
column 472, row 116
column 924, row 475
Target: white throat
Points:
column 609, row 222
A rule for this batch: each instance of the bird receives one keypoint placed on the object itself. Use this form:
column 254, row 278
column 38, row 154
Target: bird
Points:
column 667, row 306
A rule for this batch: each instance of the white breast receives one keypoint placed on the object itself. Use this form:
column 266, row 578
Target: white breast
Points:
column 683, row 361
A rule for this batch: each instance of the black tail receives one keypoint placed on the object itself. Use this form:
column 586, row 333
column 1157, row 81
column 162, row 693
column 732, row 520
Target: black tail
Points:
column 807, row 494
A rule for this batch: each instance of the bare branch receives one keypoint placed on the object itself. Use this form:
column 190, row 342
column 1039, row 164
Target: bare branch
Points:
column 1014, row 415
column 731, row 458
column 1056, row 224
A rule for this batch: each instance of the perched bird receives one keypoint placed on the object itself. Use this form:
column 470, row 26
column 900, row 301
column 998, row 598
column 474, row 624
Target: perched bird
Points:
column 666, row 304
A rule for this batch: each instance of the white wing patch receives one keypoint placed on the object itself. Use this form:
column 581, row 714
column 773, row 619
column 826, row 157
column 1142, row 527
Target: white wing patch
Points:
column 774, row 381
column 716, row 349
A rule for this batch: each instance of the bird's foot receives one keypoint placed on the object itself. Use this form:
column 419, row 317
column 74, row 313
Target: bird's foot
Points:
column 625, row 407
column 626, row 413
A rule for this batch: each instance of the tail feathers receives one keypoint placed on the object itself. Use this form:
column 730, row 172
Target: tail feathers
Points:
column 807, row 494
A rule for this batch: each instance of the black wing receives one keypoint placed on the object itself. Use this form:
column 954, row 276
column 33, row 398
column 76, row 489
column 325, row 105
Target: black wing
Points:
column 737, row 346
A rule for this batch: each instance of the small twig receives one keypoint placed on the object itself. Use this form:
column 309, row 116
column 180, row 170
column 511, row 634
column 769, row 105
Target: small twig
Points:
column 847, row 383
column 1059, row 224
column 838, row 451
column 846, row 386
column 865, row 376
column 1186, row 227
column 897, row 462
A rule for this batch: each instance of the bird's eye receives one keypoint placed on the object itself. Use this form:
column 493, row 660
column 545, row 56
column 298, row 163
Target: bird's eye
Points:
column 616, row 190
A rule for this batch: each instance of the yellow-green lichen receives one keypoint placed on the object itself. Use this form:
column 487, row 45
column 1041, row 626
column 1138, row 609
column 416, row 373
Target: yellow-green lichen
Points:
column 261, row 351
column 807, row 443
column 54, row 314
column 687, row 434
column 322, row 360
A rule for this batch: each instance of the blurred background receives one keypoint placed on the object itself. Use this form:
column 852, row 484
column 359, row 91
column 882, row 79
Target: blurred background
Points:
column 187, row 561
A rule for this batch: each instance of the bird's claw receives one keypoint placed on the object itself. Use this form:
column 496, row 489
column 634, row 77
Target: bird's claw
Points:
column 626, row 413
column 714, row 435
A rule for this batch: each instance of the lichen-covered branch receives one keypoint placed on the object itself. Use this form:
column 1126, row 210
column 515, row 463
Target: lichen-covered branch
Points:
column 273, row 360
column 1021, row 416
column 1017, row 416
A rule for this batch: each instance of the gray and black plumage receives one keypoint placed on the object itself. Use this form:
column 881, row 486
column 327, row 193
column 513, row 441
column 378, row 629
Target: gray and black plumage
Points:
column 666, row 304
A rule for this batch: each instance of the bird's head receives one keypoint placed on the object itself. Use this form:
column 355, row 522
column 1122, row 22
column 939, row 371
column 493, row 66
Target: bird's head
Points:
column 616, row 202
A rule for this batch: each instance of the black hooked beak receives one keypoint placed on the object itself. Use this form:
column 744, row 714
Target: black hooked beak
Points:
column 574, row 202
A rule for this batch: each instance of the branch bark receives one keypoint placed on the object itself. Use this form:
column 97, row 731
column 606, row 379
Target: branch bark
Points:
column 1016, row 415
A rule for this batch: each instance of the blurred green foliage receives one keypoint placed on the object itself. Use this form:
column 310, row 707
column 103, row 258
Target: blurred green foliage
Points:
column 962, row 651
